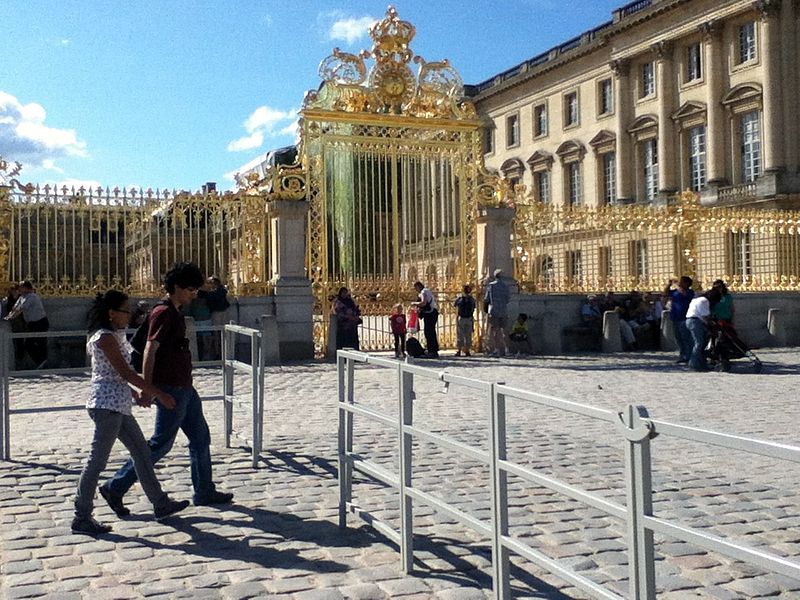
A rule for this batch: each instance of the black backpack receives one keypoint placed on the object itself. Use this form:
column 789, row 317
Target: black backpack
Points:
column 139, row 341
column 414, row 348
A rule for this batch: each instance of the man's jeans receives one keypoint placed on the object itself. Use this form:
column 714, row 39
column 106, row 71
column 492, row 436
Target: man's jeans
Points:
column 110, row 426
column 699, row 331
column 683, row 338
column 188, row 416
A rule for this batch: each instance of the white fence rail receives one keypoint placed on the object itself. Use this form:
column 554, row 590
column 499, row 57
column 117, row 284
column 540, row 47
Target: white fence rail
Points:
column 633, row 427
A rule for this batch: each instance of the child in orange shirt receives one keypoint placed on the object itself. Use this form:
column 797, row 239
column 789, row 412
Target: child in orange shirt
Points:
column 398, row 322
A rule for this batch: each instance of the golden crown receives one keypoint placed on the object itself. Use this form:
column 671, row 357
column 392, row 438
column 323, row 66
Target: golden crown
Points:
column 392, row 38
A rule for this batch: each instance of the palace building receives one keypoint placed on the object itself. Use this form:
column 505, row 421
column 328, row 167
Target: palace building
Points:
column 669, row 95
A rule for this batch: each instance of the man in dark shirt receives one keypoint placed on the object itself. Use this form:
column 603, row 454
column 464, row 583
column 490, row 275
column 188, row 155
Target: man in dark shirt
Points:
column 679, row 303
column 167, row 363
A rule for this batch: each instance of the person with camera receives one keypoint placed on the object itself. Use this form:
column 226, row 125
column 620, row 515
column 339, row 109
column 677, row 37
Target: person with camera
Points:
column 429, row 313
column 348, row 318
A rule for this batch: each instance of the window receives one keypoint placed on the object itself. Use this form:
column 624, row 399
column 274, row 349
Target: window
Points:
column 606, row 97
column 694, row 65
column 488, row 140
column 604, row 264
column 540, row 120
column 547, row 271
column 638, row 258
column 609, row 178
column 542, row 180
column 697, row 157
column 648, row 80
column 575, row 191
column 512, row 131
column 650, row 161
column 571, row 109
column 747, row 42
column 741, row 258
column 575, row 267
column 751, row 146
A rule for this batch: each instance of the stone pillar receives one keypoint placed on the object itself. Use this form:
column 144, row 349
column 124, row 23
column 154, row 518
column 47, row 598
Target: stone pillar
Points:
column 668, row 341
column 776, row 325
column 294, row 300
column 773, row 125
column 494, row 241
column 622, row 95
column 667, row 148
column 790, row 83
column 612, row 338
column 715, row 116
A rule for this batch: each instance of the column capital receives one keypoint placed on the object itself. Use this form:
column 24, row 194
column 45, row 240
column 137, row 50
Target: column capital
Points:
column 767, row 8
column 620, row 66
column 663, row 49
column 710, row 29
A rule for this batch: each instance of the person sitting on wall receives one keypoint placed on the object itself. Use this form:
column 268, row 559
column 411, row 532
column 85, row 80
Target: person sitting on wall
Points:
column 519, row 335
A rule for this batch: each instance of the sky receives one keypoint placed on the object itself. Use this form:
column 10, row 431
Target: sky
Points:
column 171, row 94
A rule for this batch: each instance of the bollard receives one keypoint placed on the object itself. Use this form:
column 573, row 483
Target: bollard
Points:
column 668, row 341
column 271, row 343
column 612, row 340
column 332, row 326
column 776, row 325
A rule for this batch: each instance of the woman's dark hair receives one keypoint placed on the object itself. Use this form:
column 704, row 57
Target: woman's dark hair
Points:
column 184, row 275
column 98, row 313
column 341, row 289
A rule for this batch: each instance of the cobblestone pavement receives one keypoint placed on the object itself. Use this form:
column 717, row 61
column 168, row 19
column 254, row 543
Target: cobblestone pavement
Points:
column 280, row 538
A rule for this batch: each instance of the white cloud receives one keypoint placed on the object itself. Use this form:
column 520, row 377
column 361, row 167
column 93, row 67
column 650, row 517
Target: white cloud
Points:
column 350, row 29
column 264, row 122
column 25, row 137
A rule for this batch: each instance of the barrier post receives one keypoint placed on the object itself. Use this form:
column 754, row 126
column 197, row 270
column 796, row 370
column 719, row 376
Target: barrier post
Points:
column 348, row 430
column 255, row 375
column 341, row 365
column 6, row 356
column 638, row 475
column 499, row 489
column 228, row 354
column 405, row 381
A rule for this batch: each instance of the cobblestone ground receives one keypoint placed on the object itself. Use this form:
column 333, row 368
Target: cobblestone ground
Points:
column 280, row 538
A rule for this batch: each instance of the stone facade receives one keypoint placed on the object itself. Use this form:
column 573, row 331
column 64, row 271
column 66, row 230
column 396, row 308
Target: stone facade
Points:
column 670, row 95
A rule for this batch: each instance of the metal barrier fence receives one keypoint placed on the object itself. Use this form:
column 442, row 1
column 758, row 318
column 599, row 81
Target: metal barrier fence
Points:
column 256, row 369
column 634, row 428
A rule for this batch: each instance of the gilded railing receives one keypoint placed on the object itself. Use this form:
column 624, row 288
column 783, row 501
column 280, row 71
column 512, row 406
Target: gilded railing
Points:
column 74, row 242
column 623, row 248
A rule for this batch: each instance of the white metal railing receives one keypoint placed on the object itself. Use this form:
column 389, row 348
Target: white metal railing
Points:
column 633, row 427
column 256, row 369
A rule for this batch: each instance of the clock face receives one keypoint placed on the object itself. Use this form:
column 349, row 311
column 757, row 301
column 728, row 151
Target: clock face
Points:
column 395, row 83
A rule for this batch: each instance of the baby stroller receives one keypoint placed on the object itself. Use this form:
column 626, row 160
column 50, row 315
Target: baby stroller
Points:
column 725, row 345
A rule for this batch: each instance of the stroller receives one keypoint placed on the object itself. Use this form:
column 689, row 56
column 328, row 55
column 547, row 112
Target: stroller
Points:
column 725, row 345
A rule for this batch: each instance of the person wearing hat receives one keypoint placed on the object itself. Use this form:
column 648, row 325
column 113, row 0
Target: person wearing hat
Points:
column 591, row 314
column 496, row 303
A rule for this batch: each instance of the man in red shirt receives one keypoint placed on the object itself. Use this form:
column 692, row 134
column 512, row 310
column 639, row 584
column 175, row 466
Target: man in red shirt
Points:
column 167, row 364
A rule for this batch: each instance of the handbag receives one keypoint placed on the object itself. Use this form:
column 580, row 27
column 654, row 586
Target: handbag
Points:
column 413, row 321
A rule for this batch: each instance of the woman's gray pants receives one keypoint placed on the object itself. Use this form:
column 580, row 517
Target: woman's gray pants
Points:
column 109, row 426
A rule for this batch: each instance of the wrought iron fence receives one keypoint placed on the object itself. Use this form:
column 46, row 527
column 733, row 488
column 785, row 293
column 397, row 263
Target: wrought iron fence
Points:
column 73, row 242
column 624, row 248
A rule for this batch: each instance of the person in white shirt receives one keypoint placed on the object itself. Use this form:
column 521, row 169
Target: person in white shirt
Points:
column 429, row 313
column 697, row 318
column 32, row 310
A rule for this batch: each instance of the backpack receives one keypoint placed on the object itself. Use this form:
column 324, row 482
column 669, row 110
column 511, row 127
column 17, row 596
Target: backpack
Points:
column 139, row 341
column 414, row 348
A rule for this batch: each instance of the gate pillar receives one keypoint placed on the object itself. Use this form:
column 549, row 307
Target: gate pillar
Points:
column 494, row 241
column 294, row 300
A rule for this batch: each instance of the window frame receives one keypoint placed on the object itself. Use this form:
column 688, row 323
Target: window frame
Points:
column 752, row 167
column 545, row 112
column 572, row 94
column 695, row 67
column 698, row 156
column 647, row 88
column 649, row 148
column 602, row 110
column 517, row 141
column 752, row 45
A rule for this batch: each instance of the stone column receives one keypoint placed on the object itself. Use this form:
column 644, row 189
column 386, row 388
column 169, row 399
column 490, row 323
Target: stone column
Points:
column 494, row 241
column 773, row 129
column 294, row 300
column 715, row 116
column 789, row 80
column 667, row 149
column 622, row 95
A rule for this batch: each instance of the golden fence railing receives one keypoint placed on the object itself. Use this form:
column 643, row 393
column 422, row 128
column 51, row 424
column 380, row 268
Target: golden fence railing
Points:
column 75, row 242
column 624, row 248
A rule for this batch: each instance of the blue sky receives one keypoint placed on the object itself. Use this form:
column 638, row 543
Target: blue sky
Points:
column 174, row 93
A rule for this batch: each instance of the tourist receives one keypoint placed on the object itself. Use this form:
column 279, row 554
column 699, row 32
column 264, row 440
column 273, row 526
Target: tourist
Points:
column 519, row 335
column 698, row 315
column 428, row 311
column 31, row 308
column 397, row 322
column 201, row 313
column 465, row 304
column 679, row 299
column 218, row 303
column 348, row 318
column 109, row 406
column 496, row 303
column 167, row 364
column 723, row 311
column 17, row 323
column 139, row 314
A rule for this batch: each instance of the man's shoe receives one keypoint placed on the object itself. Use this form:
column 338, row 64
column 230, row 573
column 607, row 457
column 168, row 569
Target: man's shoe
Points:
column 88, row 526
column 215, row 497
column 170, row 507
column 114, row 501
column 457, row 353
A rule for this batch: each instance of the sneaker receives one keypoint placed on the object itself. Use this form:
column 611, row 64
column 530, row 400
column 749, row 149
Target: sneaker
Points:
column 88, row 526
column 215, row 497
column 457, row 353
column 467, row 354
column 170, row 507
column 114, row 501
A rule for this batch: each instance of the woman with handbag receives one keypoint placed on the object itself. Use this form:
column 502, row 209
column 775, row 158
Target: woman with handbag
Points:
column 429, row 313
column 348, row 318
